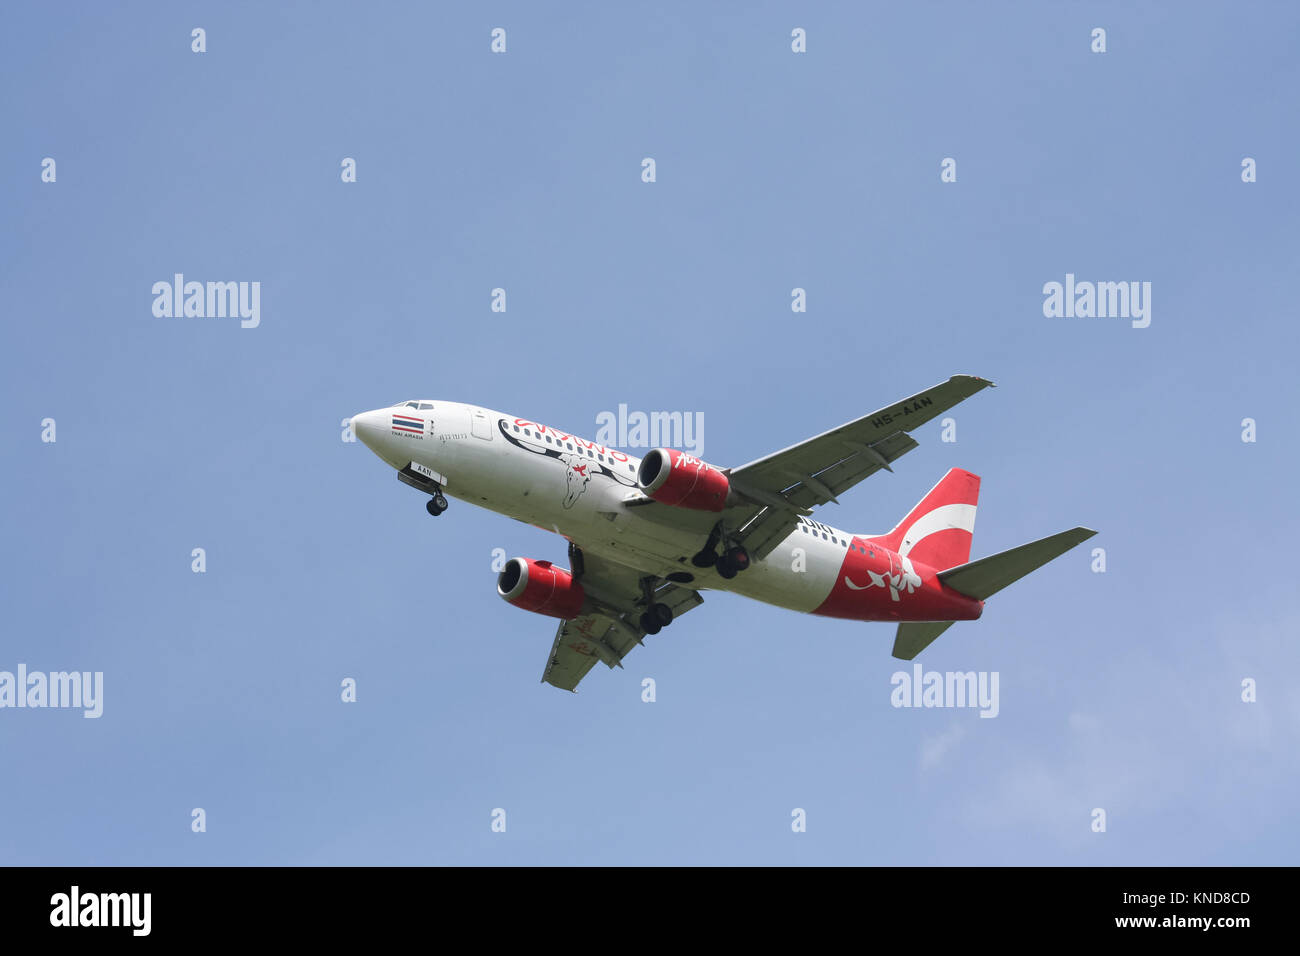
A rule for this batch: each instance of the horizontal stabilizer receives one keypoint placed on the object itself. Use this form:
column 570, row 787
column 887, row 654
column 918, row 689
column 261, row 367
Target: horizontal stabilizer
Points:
column 912, row 639
column 983, row 578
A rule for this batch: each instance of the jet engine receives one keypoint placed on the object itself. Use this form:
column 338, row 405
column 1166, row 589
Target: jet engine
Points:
column 540, row 587
column 673, row 477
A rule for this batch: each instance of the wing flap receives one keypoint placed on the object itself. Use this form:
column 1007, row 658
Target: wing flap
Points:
column 575, row 650
column 610, row 631
column 772, row 525
column 850, row 470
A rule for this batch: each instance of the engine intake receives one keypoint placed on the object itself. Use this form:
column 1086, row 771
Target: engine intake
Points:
column 541, row 587
column 673, row 477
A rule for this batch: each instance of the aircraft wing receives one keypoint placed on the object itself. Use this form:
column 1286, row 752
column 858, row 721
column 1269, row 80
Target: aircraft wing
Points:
column 612, row 628
column 796, row 479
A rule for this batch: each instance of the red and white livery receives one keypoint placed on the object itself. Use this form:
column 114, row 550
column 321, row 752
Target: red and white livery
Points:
column 647, row 535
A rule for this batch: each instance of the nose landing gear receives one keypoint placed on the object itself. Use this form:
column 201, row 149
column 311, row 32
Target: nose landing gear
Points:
column 437, row 504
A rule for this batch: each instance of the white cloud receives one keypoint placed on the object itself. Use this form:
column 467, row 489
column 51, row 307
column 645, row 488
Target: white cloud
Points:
column 935, row 748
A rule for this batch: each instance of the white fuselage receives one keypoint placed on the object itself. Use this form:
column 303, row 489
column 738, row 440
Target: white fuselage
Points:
column 581, row 490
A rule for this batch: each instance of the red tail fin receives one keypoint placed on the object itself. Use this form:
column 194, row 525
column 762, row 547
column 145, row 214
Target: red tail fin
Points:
column 938, row 531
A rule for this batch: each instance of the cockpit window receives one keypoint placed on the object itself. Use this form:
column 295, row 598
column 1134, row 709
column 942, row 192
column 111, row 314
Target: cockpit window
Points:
column 425, row 406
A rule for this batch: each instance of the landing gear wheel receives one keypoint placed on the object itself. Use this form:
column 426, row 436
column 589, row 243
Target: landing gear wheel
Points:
column 663, row 613
column 725, row 568
column 704, row 559
column 738, row 558
column 436, row 505
column 650, row 623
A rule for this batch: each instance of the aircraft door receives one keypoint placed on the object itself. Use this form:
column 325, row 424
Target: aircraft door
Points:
column 480, row 427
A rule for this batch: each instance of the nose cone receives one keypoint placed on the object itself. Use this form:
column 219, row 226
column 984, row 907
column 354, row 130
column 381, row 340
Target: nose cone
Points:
column 366, row 426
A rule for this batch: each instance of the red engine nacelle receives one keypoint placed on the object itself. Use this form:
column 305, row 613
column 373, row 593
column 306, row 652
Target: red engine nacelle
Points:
column 541, row 587
column 676, row 478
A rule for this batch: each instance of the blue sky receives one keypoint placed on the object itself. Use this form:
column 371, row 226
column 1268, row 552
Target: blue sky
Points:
column 522, row 171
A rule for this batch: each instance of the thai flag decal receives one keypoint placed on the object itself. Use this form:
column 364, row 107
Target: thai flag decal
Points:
column 405, row 423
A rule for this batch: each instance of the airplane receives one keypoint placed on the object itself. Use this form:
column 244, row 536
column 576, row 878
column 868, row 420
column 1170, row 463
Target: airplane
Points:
column 647, row 535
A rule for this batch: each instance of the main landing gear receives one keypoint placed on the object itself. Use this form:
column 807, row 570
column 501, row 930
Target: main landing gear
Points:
column 656, row 619
column 732, row 561
column 656, row 616
column 437, row 504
